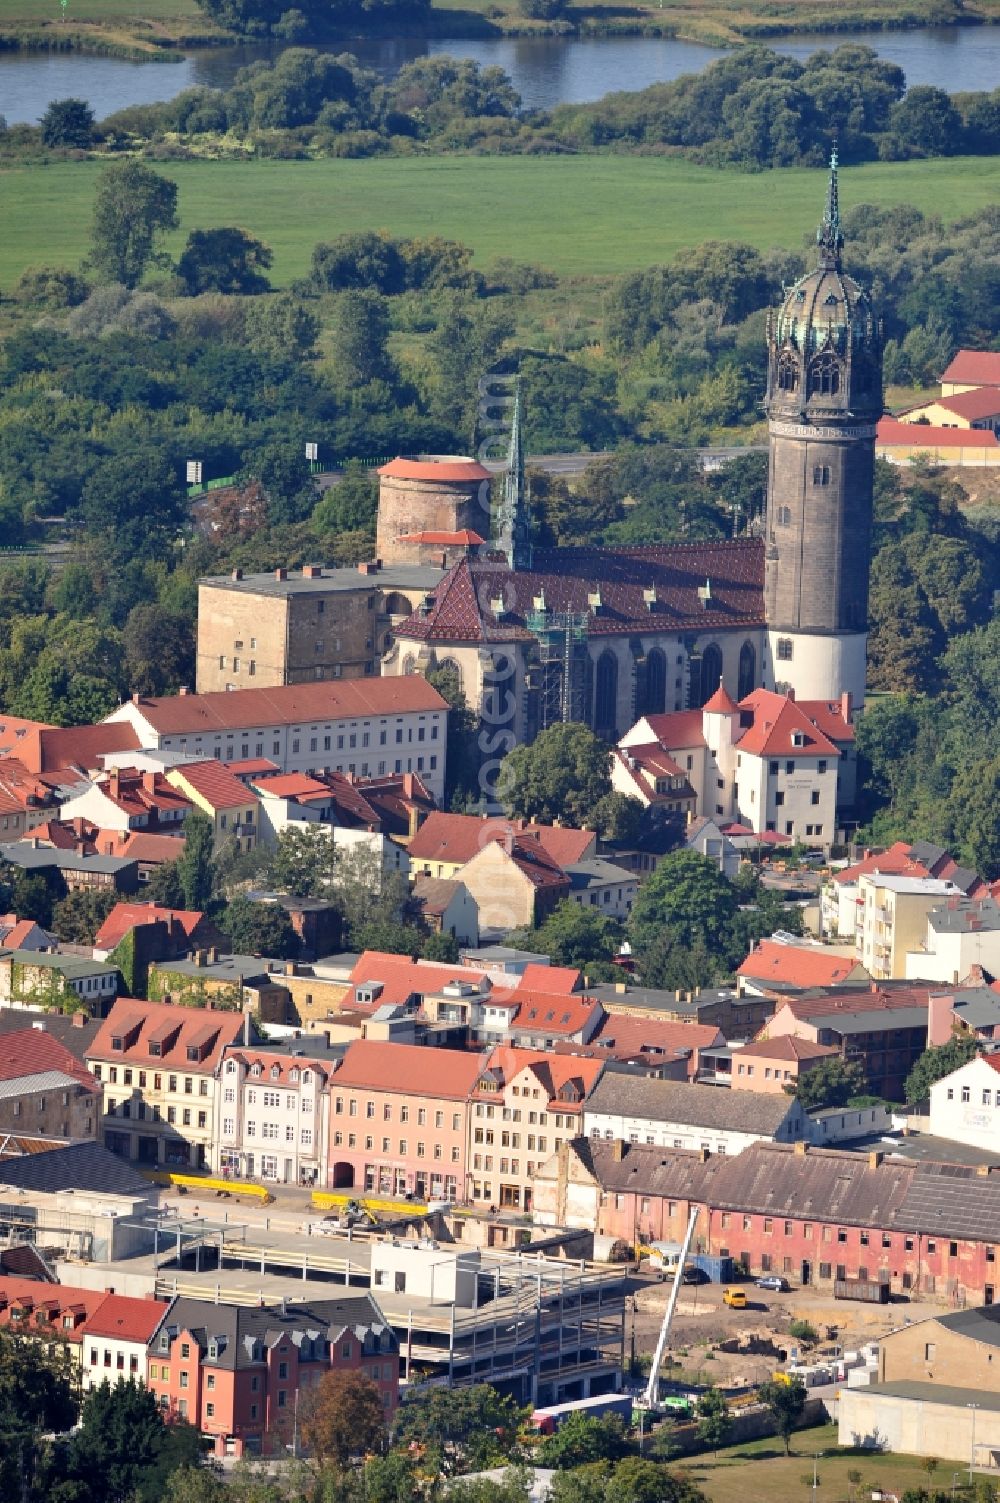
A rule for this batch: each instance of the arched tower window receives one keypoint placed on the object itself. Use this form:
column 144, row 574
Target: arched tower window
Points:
column 409, row 666
column 654, row 700
column 454, row 672
column 748, row 670
column 824, row 375
column 396, row 604
column 711, row 673
column 788, row 371
column 606, row 693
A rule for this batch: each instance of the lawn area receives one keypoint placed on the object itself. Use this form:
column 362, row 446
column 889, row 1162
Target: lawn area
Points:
column 36, row 12
column 760, row 1469
column 584, row 216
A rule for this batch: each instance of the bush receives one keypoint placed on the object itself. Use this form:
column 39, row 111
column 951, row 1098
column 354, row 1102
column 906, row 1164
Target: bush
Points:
column 50, row 287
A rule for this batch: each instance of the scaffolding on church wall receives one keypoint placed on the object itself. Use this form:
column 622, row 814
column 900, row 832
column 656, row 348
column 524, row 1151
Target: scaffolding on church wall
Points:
column 563, row 661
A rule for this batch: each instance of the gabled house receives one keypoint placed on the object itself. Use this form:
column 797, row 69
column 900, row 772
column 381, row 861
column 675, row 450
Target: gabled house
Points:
column 233, row 808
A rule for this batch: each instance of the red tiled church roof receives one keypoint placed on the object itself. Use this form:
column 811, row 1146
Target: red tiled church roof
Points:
column 569, row 577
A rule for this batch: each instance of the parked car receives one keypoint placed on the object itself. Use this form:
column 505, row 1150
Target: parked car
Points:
column 735, row 1298
column 773, row 1281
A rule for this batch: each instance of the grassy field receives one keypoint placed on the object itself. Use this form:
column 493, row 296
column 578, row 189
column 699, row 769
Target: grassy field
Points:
column 583, row 216
column 760, row 1469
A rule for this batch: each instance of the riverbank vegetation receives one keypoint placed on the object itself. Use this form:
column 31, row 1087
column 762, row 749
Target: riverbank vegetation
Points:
column 159, row 27
column 752, row 110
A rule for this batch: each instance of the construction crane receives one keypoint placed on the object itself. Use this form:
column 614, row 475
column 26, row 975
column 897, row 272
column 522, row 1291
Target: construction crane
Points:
column 651, row 1398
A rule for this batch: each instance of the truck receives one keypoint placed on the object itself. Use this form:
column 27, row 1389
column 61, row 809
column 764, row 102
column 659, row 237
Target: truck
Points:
column 869, row 1291
column 547, row 1421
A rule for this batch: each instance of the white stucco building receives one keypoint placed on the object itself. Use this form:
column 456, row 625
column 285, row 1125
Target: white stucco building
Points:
column 670, row 1114
column 961, row 933
column 892, row 920
column 274, row 1116
column 965, row 1105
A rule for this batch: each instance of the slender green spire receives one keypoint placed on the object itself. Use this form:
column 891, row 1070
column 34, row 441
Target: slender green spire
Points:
column 515, row 524
column 830, row 235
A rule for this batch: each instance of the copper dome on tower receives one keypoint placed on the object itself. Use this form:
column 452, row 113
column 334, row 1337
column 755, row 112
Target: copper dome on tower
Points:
column 825, row 340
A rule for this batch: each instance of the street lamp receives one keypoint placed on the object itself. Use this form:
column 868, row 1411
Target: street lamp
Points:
column 972, row 1452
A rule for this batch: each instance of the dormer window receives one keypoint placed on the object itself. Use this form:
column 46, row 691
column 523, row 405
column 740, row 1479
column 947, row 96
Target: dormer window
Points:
column 154, row 1049
column 256, row 1070
column 117, row 1043
column 798, row 738
column 275, row 1072
column 231, row 1067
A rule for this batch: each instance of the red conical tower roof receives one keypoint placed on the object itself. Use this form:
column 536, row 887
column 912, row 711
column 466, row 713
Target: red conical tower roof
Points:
column 721, row 702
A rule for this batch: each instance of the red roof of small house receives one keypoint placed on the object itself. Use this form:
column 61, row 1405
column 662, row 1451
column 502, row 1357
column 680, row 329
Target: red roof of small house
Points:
column 18, row 933
column 553, row 1012
column 721, row 702
column 403, row 978
column 552, row 1071
column 62, row 835
column 121, row 1317
column 139, row 1025
column 463, row 538
column 253, row 767
column 297, row 785
column 287, row 704
column 29, row 1051
column 827, row 715
column 124, row 917
column 777, row 721
column 137, row 792
column 458, row 837
column 554, row 979
column 798, row 965
column 973, row 368
column 676, row 731
column 891, row 433
column 787, row 1047
column 983, row 402
column 534, row 862
column 75, row 748
column 220, row 788
column 625, row 1036
column 895, row 861
column 763, row 837
column 14, row 731
column 140, row 845
column 445, row 467
column 845, row 999
column 449, row 1074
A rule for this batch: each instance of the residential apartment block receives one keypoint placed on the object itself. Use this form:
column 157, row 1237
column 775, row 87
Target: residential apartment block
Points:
column 45, row 1091
column 892, row 919
column 157, row 1065
column 275, row 1116
column 239, row 1374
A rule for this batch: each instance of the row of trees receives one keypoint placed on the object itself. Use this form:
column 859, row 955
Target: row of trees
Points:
column 755, row 109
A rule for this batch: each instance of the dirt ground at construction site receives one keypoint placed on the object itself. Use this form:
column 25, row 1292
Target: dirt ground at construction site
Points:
column 702, row 1324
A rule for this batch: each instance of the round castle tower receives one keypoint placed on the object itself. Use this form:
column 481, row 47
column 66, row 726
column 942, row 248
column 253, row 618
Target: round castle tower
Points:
column 824, row 399
column 429, row 505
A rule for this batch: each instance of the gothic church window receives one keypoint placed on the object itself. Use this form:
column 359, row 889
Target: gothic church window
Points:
column 748, row 671
column 788, row 372
column 784, row 652
column 606, row 693
column 711, row 673
column 824, row 375
column 655, row 699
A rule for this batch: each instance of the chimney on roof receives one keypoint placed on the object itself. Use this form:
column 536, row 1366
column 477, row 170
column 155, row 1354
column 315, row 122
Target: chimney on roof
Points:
column 802, row 1148
column 115, row 783
column 618, row 1150
column 213, row 955
column 704, row 1154
column 789, row 692
column 875, row 1158
column 312, row 571
column 983, row 1170
column 237, row 574
column 199, row 957
column 184, row 689
column 281, row 573
column 289, row 967
column 136, row 698
column 80, row 1018
column 845, row 705
column 149, row 782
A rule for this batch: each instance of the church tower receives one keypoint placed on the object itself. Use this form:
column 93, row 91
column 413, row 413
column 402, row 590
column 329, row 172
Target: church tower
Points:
column 824, row 399
column 514, row 522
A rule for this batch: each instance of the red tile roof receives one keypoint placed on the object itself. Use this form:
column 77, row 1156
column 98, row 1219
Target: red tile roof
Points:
column 140, row 845
column 827, row 715
column 403, row 978
column 721, row 702
column 982, row 403
column 569, row 577
column 552, row 1071
column 435, row 467
column 76, row 748
column 798, row 965
column 787, row 1046
column 174, row 1028
column 138, row 793
column 973, row 368
column 125, row 917
column 51, row 1302
column 448, row 1074
column 288, row 704
column 120, row 1317
column 554, row 979
column 896, row 861
column 285, row 1063
column 776, row 721
column 680, row 729
column 891, row 433
column 14, row 730
column 297, row 785
column 457, row 838
column 553, row 1012
column 626, row 1036
column 653, row 759
column 534, row 862
column 220, row 788
column 29, row 1051
column 17, row 934
column 253, row 766
column 846, row 999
